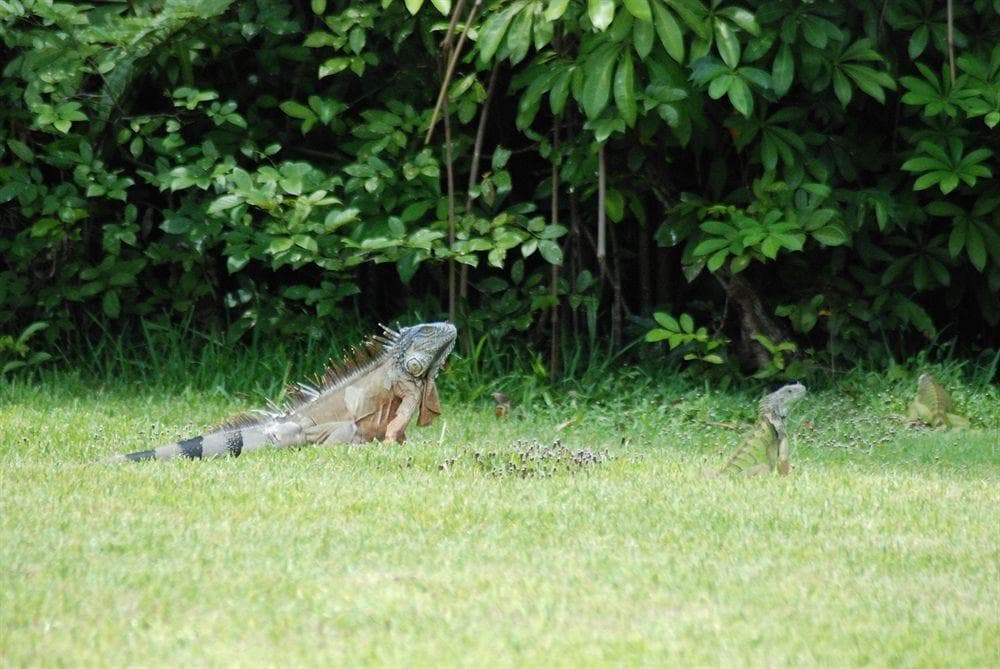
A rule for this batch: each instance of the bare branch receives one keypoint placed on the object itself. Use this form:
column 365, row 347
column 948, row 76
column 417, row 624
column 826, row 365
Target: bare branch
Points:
column 450, row 71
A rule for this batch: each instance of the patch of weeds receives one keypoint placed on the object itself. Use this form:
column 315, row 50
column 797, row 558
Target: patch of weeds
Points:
column 530, row 459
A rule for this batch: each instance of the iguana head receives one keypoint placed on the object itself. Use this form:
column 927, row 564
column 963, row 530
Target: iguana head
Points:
column 779, row 403
column 420, row 350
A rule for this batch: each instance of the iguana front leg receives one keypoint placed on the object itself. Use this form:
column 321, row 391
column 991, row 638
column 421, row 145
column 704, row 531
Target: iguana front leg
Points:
column 784, row 463
column 398, row 423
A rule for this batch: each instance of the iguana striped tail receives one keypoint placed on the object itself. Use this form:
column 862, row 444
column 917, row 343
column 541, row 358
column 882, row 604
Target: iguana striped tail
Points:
column 239, row 436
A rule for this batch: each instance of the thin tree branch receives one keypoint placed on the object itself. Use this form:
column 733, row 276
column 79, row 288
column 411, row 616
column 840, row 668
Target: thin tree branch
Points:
column 601, row 217
column 450, row 171
column 450, row 71
column 951, row 42
column 477, row 151
column 554, row 362
column 477, row 148
column 446, row 40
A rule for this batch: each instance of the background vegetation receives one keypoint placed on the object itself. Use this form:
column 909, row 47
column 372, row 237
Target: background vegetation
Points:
column 778, row 181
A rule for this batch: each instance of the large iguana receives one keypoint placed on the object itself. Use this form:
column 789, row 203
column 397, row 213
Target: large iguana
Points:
column 765, row 449
column 933, row 405
column 372, row 395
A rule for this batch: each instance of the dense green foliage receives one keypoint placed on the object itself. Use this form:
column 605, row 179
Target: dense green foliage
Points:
column 262, row 164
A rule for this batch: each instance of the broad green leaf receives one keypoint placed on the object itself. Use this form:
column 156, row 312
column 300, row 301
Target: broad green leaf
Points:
column 614, row 205
column 949, row 182
column 719, row 228
column 741, row 97
column 413, row 6
column 224, row 202
column 709, row 246
column 280, row 244
column 707, row 68
column 743, row 18
column 21, row 150
column 692, row 13
column 720, row 86
column 929, row 179
column 333, row 66
column 768, row 152
column 922, row 164
column 831, row 235
column 601, row 12
column 715, row 262
column 842, row 88
column 942, row 208
column 918, row 42
column 667, row 321
column 814, row 31
column 868, row 80
column 643, row 34
column 443, row 6
column 407, row 265
column 727, row 43
column 542, row 32
column 739, row 263
column 783, row 70
column 415, row 211
column 686, row 323
column 624, row 87
column 770, row 247
column 956, row 240
column 669, row 32
column 492, row 32
column 656, row 335
column 975, row 246
column 598, row 72
column 560, row 91
column 297, row 110
column 318, row 6
column 306, row 242
column 110, row 304
column 556, row 9
column 639, row 9
column 550, row 251
column 519, row 36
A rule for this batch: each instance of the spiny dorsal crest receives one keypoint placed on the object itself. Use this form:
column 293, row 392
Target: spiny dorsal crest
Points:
column 358, row 361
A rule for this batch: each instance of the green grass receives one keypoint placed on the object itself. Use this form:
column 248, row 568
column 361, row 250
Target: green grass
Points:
column 881, row 548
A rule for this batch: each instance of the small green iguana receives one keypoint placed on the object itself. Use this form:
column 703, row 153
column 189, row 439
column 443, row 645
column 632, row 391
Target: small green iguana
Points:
column 933, row 405
column 373, row 395
column 765, row 449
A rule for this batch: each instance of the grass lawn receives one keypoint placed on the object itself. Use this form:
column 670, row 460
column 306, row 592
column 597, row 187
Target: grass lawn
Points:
column 881, row 547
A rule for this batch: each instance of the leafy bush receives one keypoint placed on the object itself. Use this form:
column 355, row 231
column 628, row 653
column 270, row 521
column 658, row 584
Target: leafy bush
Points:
column 263, row 165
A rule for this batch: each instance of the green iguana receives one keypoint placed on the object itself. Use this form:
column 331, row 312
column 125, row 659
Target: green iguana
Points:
column 765, row 449
column 933, row 405
column 373, row 395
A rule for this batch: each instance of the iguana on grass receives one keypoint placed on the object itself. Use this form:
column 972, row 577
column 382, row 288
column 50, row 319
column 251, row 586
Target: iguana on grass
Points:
column 765, row 449
column 372, row 395
column 933, row 405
